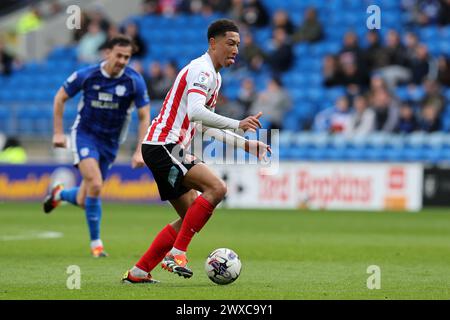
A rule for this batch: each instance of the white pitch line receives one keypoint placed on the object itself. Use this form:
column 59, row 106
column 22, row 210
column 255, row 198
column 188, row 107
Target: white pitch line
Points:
column 33, row 235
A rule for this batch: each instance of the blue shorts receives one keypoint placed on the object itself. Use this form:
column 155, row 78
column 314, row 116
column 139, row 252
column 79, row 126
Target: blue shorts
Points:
column 86, row 146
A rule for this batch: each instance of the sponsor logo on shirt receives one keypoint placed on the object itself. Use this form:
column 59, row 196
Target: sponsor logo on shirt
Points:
column 200, row 86
column 102, row 96
column 72, row 77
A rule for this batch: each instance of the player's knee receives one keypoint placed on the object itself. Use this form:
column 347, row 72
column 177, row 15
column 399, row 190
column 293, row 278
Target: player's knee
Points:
column 95, row 187
column 219, row 190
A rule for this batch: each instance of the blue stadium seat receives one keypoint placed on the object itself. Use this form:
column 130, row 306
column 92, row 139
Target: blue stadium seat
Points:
column 285, row 139
column 291, row 122
column 6, row 115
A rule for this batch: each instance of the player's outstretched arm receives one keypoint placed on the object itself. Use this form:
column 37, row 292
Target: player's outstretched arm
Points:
column 144, row 122
column 59, row 139
column 197, row 112
column 254, row 147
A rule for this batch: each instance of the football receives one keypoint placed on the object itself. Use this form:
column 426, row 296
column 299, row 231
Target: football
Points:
column 223, row 266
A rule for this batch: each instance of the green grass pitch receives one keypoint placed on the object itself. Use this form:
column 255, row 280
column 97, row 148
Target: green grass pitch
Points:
column 285, row 254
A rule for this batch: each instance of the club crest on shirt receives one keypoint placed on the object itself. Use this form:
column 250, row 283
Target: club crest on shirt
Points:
column 120, row 90
column 84, row 152
column 203, row 78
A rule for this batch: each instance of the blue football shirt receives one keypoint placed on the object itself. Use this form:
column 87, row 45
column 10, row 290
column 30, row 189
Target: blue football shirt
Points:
column 106, row 103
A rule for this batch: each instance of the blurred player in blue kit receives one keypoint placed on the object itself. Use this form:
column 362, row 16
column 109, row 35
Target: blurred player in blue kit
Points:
column 110, row 91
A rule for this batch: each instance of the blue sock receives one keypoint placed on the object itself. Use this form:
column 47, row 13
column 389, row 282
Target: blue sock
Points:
column 70, row 195
column 93, row 207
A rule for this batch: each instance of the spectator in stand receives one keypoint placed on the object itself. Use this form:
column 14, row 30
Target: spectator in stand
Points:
column 138, row 67
column 150, row 7
column 273, row 102
column 422, row 12
column 132, row 30
column 310, row 30
column 330, row 71
column 371, row 53
column 280, row 57
column 362, row 119
column 85, row 20
column 98, row 15
column 429, row 121
column 158, row 85
column 155, row 81
column 354, row 73
column 13, row 152
column 247, row 95
column 433, row 96
column 160, row 80
column 113, row 31
column 207, row 10
column 29, row 21
column 428, row 12
column 252, row 55
column 255, row 14
column 352, row 48
column 88, row 48
column 386, row 111
column 351, row 74
column 420, row 64
column 392, row 61
column 229, row 108
column 6, row 60
column 281, row 19
column 236, row 10
column 336, row 119
column 168, row 8
column 443, row 75
column 377, row 83
column 407, row 122
column 411, row 44
column 220, row 6
column 171, row 71
column 444, row 13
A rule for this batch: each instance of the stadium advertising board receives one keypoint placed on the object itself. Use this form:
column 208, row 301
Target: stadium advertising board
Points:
column 436, row 186
column 346, row 186
column 31, row 182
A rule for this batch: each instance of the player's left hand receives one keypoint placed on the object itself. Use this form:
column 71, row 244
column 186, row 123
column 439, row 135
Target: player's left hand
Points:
column 258, row 148
column 137, row 161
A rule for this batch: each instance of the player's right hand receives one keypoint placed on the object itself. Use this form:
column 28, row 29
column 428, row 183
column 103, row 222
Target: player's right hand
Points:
column 251, row 123
column 59, row 140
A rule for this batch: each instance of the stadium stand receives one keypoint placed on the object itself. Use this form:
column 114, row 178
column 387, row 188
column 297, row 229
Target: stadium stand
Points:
column 26, row 95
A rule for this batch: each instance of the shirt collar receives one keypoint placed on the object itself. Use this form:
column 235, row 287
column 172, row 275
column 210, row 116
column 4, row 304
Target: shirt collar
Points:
column 106, row 74
column 208, row 58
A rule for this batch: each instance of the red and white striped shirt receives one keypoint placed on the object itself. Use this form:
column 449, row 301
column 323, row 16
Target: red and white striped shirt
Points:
column 172, row 125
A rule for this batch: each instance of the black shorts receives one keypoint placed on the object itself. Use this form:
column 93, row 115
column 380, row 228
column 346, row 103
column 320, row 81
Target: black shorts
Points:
column 169, row 164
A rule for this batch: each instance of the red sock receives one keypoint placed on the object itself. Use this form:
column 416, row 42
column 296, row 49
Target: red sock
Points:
column 162, row 243
column 196, row 217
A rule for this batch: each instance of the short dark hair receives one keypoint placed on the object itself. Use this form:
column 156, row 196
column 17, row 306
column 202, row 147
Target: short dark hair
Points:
column 121, row 41
column 220, row 27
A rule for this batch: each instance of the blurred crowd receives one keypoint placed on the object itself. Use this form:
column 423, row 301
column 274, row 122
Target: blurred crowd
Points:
column 370, row 73
column 371, row 76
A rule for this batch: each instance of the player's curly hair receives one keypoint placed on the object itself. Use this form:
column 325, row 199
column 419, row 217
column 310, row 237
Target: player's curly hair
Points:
column 220, row 27
column 121, row 41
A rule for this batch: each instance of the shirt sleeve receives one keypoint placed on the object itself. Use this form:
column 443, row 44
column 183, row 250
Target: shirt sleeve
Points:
column 199, row 81
column 197, row 111
column 74, row 83
column 141, row 98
